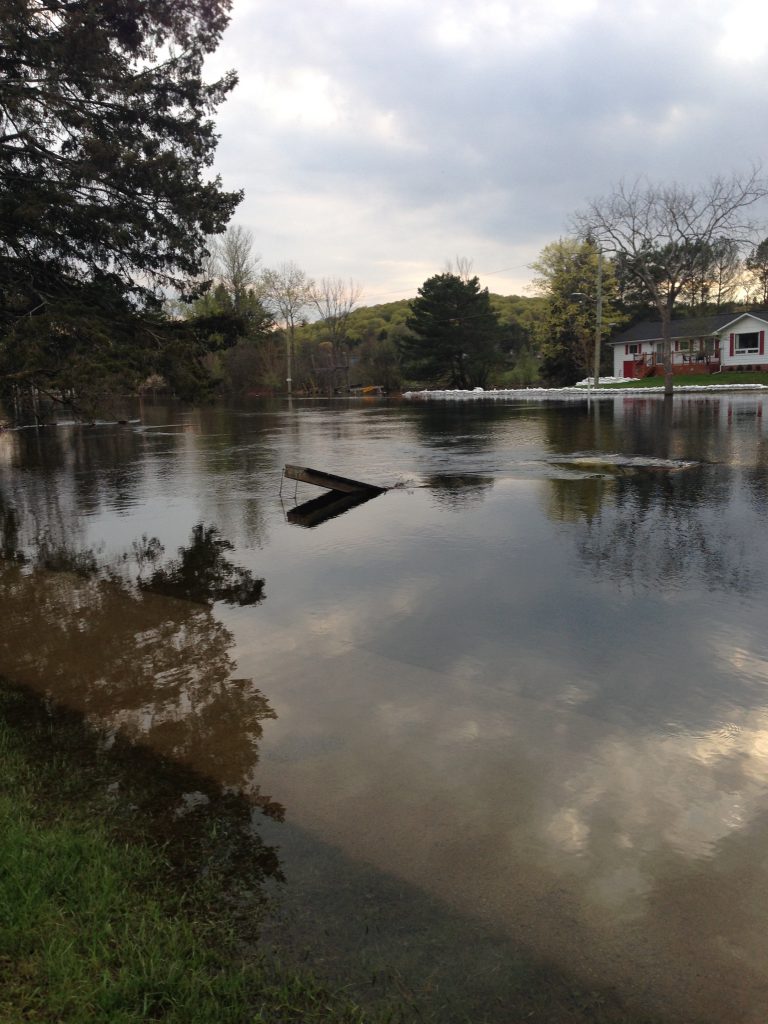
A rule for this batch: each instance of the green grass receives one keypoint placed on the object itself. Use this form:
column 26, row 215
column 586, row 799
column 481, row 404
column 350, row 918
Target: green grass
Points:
column 92, row 931
column 113, row 910
column 716, row 379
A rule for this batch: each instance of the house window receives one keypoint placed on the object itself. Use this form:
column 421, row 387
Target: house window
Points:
column 633, row 349
column 749, row 342
column 684, row 344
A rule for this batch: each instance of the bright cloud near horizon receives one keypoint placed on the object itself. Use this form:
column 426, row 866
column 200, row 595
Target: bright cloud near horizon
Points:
column 376, row 140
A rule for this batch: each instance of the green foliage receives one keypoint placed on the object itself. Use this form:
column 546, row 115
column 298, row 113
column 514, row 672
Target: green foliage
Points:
column 232, row 320
column 378, row 363
column 228, row 318
column 455, row 333
column 632, row 294
column 376, row 336
column 526, row 371
column 567, row 273
column 384, row 322
column 372, row 338
column 106, row 137
column 519, row 316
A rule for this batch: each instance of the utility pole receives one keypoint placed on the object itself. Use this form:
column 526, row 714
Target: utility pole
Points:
column 598, row 315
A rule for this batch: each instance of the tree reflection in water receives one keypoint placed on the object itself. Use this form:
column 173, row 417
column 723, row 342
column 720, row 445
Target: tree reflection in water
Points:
column 457, row 491
column 202, row 573
column 662, row 530
column 145, row 657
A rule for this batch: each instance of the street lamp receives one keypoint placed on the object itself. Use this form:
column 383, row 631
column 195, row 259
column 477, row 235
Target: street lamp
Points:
column 598, row 313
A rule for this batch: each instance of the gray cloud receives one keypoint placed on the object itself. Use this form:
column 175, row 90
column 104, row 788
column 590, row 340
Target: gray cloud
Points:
column 376, row 140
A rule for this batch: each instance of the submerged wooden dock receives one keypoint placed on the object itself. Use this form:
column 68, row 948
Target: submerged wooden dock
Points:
column 330, row 481
column 341, row 494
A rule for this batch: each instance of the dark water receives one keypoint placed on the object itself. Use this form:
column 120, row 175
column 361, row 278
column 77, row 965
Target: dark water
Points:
column 514, row 707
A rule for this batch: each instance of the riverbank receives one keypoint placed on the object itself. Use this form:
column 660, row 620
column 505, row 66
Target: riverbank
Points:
column 115, row 908
column 101, row 921
column 712, row 381
column 738, row 382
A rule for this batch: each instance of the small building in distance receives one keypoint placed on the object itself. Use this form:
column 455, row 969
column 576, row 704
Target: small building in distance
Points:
column 704, row 344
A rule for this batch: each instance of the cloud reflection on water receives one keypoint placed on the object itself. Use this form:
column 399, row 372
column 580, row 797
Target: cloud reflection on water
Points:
column 547, row 711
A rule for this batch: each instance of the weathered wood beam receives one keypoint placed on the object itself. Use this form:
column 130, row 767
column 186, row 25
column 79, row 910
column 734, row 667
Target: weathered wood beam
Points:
column 330, row 481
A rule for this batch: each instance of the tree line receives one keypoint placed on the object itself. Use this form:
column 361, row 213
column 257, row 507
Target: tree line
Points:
column 646, row 251
column 107, row 138
column 314, row 333
column 120, row 266
column 455, row 333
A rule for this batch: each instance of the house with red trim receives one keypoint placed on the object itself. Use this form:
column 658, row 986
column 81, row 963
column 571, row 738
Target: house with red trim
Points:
column 707, row 344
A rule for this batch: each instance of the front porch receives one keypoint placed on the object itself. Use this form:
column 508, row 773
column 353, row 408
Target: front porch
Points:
column 700, row 345
column 650, row 364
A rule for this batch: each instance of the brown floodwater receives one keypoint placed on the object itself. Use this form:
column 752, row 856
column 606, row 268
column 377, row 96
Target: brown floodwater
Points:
column 517, row 706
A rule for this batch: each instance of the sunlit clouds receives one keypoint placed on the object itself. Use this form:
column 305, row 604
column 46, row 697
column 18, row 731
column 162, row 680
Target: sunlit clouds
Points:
column 419, row 131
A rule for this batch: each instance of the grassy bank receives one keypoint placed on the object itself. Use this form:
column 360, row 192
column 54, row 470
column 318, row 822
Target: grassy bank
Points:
column 697, row 379
column 97, row 925
column 117, row 906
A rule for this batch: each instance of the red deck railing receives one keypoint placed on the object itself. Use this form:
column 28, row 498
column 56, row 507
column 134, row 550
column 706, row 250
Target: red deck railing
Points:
column 650, row 364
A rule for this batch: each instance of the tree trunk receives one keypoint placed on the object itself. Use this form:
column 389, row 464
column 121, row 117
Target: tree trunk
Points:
column 666, row 337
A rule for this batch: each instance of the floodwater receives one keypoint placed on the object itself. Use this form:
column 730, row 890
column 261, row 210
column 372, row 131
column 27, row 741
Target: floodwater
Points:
column 514, row 710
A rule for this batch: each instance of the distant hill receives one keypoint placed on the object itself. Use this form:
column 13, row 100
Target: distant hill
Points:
column 374, row 335
column 386, row 320
column 519, row 313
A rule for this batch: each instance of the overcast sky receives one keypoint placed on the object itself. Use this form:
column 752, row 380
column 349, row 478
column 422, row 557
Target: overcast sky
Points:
column 377, row 139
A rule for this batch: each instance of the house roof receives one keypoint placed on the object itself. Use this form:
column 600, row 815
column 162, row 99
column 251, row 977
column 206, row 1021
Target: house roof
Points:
column 758, row 314
column 689, row 327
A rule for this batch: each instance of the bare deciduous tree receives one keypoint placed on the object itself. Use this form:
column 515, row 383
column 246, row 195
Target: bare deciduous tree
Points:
column 461, row 267
column 233, row 262
column 287, row 293
column 334, row 300
column 718, row 278
column 661, row 231
column 757, row 267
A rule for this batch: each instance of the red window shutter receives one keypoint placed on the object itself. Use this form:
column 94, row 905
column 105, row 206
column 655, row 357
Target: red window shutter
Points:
column 626, row 350
column 677, row 346
column 733, row 343
column 762, row 343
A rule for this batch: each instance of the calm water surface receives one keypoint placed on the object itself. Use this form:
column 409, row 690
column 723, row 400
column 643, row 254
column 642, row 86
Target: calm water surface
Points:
column 515, row 706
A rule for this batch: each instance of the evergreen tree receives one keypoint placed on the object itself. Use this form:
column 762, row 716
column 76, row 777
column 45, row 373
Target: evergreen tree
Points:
column 106, row 137
column 455, row 334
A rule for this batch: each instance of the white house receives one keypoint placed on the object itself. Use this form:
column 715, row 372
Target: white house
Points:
column 742, row 342
column 708, row 344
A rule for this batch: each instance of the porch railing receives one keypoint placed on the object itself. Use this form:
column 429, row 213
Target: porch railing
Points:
column 678, row 359
column 647, row 362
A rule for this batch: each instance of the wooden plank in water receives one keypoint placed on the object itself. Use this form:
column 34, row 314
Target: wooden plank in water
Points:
column 330, row 481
